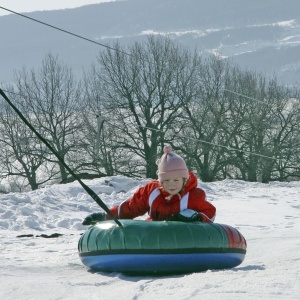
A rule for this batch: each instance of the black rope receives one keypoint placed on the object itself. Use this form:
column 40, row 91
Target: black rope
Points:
column 65, row 31
column 87, row 189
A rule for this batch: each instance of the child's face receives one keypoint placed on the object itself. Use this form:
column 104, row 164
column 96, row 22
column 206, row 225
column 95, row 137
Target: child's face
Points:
column 173, row 186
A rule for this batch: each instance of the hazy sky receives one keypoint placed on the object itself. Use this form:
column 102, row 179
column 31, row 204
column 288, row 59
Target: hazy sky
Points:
column 34, row 5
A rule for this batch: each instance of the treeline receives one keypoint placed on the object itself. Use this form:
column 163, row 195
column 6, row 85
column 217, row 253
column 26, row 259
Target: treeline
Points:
column 226, row 122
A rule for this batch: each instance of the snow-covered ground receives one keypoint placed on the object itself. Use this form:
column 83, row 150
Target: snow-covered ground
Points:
column 33, row 267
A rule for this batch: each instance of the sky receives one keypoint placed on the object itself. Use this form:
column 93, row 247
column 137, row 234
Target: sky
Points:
column 33, row 267
column 22, row 6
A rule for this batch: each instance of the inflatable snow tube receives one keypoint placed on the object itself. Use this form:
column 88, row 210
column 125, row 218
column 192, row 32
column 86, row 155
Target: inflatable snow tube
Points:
column 144, row 247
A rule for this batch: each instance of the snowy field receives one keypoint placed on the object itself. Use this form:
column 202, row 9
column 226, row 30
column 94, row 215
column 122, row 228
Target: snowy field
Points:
column 33, row 267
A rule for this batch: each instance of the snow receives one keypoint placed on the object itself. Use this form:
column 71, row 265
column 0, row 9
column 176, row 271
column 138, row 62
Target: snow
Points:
column 33, row 267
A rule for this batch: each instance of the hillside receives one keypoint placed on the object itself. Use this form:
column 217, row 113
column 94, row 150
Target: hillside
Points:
column 263, row 36
column 49, row 268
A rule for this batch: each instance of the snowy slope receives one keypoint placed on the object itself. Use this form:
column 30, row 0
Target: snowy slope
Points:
column 40, row 268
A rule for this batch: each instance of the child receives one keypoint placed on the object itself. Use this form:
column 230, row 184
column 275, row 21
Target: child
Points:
column 173, row 197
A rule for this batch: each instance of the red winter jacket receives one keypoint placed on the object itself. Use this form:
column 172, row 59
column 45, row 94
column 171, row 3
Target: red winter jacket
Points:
column 151, row 198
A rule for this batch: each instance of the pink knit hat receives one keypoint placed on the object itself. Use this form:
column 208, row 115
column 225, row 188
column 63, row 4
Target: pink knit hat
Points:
column 171, row 165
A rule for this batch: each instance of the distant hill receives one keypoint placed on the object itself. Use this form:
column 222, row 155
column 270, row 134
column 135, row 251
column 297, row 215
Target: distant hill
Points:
column 263, row 36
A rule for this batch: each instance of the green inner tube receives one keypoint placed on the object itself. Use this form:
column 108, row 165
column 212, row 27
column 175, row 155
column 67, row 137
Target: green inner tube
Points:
column 160, row 236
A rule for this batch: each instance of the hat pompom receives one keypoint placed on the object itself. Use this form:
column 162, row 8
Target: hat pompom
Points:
column 167, row 149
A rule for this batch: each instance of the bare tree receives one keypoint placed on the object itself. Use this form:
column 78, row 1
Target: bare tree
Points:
column 22, row 155
column 266, row 126
column 207, row 112
column 283, row 136
column 54, row 99
column 138, row 92
column 104, row 156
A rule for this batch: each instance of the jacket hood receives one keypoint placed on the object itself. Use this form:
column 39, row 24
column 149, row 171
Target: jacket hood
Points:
column 191, row 183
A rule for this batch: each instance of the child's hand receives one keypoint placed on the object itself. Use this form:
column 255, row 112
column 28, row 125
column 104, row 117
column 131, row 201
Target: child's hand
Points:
column 188, row 215
column 94, row 218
